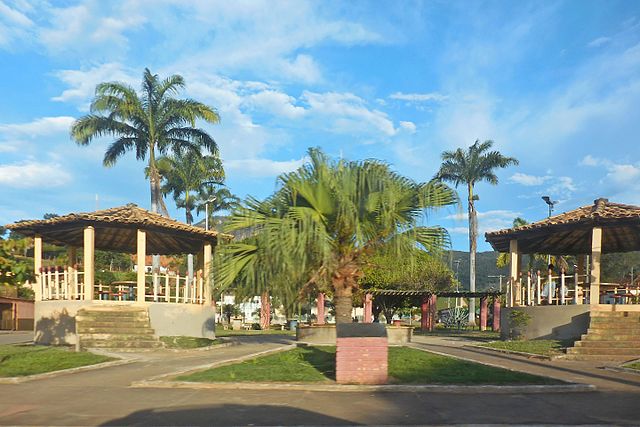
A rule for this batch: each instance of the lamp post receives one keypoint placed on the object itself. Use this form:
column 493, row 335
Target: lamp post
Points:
column 551, row 204
column 206, row 211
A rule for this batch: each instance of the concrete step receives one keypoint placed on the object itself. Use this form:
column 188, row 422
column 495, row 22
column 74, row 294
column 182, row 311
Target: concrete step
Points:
column 615, row 314
column 112, row 317
column 599, row 357
column 117, row 337
column 114, row 329
column 616, row 320
column 608, row 344
column 624, row 351
column 98, row 323
column 610, row 337
column 121, row 344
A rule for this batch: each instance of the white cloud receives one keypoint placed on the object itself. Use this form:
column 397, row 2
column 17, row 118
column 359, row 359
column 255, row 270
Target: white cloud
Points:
column 82, row 83
column 589, row 160
column 30, row 174
column 276, row 103
column 348, row 112
column 562, row 186
column 600, row 41
column 419, row 97
column 262, row 167
column 408, row 126
column 487, row 221
column 39, row 127
column 14, row 24
column 528, row 180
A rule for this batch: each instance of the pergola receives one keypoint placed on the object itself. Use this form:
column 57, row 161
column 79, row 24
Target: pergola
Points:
column 591, row 230
column 124, row 229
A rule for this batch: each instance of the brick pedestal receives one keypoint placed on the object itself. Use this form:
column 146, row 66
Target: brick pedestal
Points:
column 361, row 354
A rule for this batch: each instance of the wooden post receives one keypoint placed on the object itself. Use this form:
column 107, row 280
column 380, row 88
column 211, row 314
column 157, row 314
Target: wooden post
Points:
column 529, row 299
column 514, row 266
column 538, row 287
column 424, row 311
column 89, row 262
column 141, row 256
column 320, row 308
column 37, row 265
column 596, row 253
column 368, row 308
column 71, row 284
column 496, row 313
column 206, row 268
column 562, row 286
column 483, row 313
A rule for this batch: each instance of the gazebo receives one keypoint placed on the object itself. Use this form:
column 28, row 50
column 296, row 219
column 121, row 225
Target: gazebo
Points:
column 176, row 305
column 558, row 298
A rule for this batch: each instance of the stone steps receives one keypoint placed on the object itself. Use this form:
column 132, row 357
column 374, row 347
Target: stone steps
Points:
column 612, row 336
column 116, row 328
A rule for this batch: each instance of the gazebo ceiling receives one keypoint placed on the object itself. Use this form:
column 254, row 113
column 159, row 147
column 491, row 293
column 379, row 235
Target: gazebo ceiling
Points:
column 570, row 233
column 116, row 228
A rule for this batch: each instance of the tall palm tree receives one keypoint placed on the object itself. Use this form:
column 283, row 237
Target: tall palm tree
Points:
column 469, row 167
column 217, row 198
column 151, row 123
column 186, row 176
column 324, row 220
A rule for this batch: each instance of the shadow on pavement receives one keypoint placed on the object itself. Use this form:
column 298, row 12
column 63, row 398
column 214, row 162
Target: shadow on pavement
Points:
column 229, row 414
column 259, row 339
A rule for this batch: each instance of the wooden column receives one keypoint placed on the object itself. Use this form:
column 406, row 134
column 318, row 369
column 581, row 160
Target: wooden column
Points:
column 496, row 313
column 207, row 254
column 596, row 253
column 72, row 286
column 514, row 265
column 89, row 262
column 433, row 311
column 483, row 313
column 320, row 307
column 141, row 256
column 37, row 265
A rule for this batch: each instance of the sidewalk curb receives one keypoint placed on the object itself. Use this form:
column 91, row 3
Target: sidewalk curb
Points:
column 386, row 388
column 26, row 378
column 159, row 378
column 621, row 369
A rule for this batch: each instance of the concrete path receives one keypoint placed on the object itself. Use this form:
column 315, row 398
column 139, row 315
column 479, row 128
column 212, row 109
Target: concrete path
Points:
column 102, row 397
column 572, row 371
column 15, row 337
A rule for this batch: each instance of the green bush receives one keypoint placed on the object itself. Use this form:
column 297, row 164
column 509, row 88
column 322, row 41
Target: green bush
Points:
column 518, row 320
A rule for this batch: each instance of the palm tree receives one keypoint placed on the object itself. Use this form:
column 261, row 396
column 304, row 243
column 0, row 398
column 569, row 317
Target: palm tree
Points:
column 323, row 222
column 151, row 124
column 218, row 198
column 186, row 175
column 469, row 167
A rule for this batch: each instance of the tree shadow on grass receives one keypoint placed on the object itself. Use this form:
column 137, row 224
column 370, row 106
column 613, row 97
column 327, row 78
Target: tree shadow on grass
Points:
column 226, row 414
column 321, row 358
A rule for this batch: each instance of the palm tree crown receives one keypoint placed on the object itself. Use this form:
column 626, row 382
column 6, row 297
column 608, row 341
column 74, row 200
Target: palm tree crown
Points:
column 151, row 123
column 327, row 216
column 470, row 167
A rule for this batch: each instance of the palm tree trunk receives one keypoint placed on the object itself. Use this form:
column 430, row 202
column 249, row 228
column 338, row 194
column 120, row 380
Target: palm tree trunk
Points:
column 473, row 232
column 342, row 300
column 265, row 311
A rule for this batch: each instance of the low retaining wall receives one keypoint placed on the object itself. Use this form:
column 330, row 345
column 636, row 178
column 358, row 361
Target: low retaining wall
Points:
column 326, row 334
column 549, row 321
column 55, row 321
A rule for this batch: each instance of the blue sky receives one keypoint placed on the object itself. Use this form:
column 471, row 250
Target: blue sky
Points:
column 554, row 84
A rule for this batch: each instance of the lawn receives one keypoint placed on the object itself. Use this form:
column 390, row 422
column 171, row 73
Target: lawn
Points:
column 634, row 365
column 471, row 334
column 229, row 333
column 179, row 342
column 406, row 366
column 16, row 361
column 542, row 347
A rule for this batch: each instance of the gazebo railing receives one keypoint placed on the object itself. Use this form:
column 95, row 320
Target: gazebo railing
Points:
column 60, row 283
column 172, row 287
column 540, row 289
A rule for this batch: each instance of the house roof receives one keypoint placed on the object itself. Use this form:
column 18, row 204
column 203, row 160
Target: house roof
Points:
column 116, row 230
column 570, row 233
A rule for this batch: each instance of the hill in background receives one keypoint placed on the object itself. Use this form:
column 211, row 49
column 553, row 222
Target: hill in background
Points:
column 485, row 267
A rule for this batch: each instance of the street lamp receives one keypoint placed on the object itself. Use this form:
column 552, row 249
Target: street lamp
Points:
column 206, row 211
column 550, row 203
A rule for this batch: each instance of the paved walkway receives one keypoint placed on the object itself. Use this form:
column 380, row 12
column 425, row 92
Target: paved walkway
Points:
column 15, row 337
column 571, row 371
column 102, row 397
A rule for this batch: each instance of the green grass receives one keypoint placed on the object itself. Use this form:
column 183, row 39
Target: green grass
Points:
column 470, row 334
column 634, row 365
column 229, row 333
column 17, row 361
column 188, row 342
column 406, row 366
column 542, row 347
